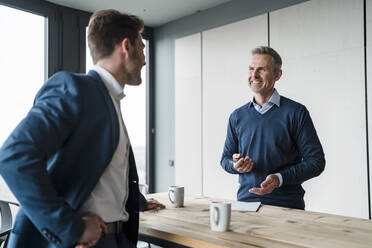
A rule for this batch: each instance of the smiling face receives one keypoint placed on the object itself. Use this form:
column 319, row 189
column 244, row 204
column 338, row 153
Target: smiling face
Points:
column 262, row 75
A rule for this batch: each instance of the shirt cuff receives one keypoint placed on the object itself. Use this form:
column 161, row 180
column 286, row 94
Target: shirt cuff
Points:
column 280, row 179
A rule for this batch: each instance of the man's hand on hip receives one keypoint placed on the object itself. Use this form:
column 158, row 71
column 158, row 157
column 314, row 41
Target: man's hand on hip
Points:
column 94, row 226
column 267, row 186
column 243, row 165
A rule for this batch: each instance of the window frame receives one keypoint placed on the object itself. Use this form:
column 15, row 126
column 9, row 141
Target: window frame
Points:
column 42, row 9
column 150, row 109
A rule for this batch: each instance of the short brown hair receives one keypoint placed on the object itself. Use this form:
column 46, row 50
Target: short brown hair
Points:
column 107, row 28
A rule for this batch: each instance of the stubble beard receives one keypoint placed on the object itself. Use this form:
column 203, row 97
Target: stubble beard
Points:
column 136, row 74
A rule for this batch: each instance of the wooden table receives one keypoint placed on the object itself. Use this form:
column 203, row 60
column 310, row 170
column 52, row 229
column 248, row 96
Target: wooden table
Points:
column 268, row 227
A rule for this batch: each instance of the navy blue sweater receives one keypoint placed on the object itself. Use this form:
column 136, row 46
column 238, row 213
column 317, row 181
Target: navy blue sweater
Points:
column 282, row 140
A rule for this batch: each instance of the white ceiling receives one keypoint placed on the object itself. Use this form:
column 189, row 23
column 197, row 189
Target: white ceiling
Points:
column 153, row 12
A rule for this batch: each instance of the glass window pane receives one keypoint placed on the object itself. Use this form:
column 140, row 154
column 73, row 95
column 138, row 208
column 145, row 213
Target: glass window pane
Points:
column 22, row 51
column 133, row 108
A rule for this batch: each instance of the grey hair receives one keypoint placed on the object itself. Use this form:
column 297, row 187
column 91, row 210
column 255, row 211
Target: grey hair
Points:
column 269, row 51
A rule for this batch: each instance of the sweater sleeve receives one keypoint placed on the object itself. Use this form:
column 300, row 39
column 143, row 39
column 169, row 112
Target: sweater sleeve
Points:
column 231, row 147
column 310, row 149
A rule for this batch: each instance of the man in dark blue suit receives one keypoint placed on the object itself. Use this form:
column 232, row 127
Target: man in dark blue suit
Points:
column 69, row 162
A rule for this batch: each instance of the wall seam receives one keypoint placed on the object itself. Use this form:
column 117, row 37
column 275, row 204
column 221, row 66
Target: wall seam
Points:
column 366, row 103
column 268, row 29
column 201, row 114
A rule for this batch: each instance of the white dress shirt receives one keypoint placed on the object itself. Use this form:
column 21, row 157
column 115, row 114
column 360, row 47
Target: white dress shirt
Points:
column 110, row 195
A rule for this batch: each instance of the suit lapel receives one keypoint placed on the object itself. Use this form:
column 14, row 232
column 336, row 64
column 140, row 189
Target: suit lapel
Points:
column 110, row 107
column 133, row 176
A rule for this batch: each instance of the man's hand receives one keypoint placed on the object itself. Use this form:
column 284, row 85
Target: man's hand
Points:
column 154, row 204
column 94, row 226
column 267, row 186
column 243, row 165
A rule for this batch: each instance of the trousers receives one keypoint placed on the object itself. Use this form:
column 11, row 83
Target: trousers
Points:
column 114, row 240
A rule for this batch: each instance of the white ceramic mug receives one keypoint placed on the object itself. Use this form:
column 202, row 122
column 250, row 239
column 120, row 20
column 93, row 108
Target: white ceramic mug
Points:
column 220, row 214
column 176, row 195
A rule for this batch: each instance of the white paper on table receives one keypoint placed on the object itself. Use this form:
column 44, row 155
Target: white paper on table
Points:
column 245, row 206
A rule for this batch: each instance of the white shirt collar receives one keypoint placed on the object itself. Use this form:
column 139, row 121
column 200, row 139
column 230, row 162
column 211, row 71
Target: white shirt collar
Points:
column 110, row 82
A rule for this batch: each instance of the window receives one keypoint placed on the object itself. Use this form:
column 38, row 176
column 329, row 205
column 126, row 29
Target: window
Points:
column 22, row 63
column 133, row 108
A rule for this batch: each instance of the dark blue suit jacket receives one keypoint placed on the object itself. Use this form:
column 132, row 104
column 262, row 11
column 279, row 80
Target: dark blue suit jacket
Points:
column 55, row 157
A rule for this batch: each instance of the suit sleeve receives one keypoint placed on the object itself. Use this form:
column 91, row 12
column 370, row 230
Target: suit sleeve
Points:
column 310, row 149
column 231, row 147
column 142, row 202
column 23, row 158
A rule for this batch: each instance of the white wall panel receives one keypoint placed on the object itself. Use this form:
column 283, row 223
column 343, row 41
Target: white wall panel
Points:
column 226, row 55
column 188, row 148
column 321, row 44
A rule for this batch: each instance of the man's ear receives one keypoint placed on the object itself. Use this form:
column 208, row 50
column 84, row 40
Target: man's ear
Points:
column 125, row 45
column 278, row 74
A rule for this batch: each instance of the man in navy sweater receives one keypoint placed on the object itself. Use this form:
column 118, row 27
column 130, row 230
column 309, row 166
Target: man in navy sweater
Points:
column 271, row 141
